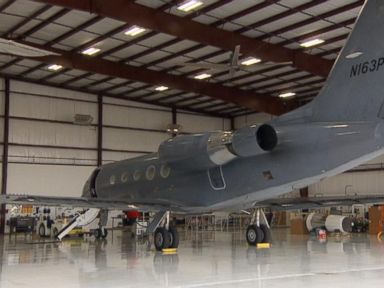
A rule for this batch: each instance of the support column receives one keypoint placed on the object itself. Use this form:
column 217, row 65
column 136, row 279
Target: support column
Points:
column 174, row 119
column 99, row 130
column 5, row 153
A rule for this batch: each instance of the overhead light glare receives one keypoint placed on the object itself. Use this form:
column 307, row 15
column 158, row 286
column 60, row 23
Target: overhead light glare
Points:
column 189, row 5
column 91, row 51
column 134, row 30
column 161, row 88
column 311, row 43
column 286, row 95
column 250, row 61
column 54, row 67
column 203, row 76
column 354, row 55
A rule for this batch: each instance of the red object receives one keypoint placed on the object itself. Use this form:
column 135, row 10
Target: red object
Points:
column 133, row 214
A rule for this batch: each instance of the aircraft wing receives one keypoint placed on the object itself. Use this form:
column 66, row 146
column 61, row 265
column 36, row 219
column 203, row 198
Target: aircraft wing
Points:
column 82, row 202
column 318, row 202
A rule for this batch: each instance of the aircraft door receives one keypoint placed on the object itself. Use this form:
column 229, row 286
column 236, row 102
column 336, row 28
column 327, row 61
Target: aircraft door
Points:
column 216, row 178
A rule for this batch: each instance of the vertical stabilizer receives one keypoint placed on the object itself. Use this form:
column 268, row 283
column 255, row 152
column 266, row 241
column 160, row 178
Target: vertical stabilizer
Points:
column 355, row 88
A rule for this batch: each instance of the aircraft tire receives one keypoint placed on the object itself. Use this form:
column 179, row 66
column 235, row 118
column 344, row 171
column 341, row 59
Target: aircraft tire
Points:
column 42, row 230
column 267, row 234
column 254, row 235
column 174, row 237
column 162, row 239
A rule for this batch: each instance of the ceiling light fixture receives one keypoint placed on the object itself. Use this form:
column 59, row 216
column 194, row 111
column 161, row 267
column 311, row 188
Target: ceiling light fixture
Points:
column 250, row 61
column 134, row 30
column 90, row 51
column 286, row 95
column 203, row 76
column 54, row 67
column 161, row 88
column 189, row 5
column 311, row 43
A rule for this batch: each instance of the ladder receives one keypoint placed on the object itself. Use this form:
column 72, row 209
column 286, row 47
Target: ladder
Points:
column 157, row 219
column 80, row 220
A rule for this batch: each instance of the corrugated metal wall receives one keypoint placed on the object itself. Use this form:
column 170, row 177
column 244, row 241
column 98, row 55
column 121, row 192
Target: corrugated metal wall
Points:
column 50, row 155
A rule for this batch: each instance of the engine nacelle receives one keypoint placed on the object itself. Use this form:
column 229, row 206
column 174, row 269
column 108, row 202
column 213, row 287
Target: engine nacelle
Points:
column 212, row 149
column 254, row 140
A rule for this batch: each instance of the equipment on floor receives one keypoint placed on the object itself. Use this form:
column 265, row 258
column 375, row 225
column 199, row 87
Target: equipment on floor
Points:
column 21, row 224
column 333, row 223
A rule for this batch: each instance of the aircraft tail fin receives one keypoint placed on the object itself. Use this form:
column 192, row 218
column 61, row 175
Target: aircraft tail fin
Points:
column 355, row 88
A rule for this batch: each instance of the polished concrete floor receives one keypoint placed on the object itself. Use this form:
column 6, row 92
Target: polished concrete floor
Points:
column 204, row 259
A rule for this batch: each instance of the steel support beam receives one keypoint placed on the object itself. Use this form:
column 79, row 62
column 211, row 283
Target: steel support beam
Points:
column 99, row 130
column 252, row 100
column 136, row 14
column 4, row 176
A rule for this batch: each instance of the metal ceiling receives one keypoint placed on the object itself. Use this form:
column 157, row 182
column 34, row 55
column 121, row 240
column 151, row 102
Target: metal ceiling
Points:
column 132, row 66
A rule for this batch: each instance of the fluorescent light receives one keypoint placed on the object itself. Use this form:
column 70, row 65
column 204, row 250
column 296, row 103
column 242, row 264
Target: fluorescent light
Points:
column 311, row 43
column 161, row 88
column 91, row 51
column 134, row 30
column 286, row 95
column 203, row 76
column 250, row 61
column 54, row 67
column 189, row 5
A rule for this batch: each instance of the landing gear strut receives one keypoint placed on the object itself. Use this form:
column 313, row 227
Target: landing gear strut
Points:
column 165, row 235
column 101, row 232
column 258, row 231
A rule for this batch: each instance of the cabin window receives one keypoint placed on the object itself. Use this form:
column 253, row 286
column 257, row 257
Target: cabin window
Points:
column 150, row 172
column 165, row 171
column 216, row 178
column 124, row 177
column 112, row 179
column 137, row 175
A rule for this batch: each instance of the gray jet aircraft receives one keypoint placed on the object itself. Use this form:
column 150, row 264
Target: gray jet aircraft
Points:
column 341, row 128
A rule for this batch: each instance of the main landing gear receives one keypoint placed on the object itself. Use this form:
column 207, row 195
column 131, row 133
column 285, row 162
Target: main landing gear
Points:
column 165, row 236
column 258, row 231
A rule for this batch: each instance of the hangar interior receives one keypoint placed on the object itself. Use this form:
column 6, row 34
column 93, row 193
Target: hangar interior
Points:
column 64, row 114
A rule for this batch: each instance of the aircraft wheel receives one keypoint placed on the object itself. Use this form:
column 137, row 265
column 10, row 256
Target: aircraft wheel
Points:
column 174, row 237
column 267, row 234
column 254, row 235
column 42, row 230
column 162, row 239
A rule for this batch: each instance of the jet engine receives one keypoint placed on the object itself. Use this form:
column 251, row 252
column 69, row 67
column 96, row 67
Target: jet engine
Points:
column 217, row 148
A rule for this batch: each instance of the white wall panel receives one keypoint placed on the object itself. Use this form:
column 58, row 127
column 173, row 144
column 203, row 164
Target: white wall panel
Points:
column 138, row 118
column 30, row 88
column 52, row 155
column 47, row 179
column 351, row 183
column 133, row 104
column 110, row 156
column 196, row 123
column 256, row 118
column 132, row 140
column 42, row 133
column 49, row 108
